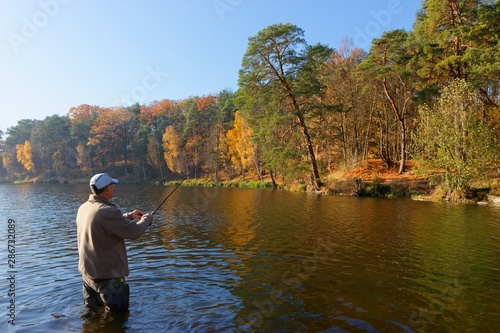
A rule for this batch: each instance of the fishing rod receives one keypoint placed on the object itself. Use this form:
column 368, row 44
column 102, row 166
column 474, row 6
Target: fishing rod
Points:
column 175, row 188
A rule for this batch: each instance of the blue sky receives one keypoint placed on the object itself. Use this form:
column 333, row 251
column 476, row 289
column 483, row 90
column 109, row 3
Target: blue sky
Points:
column 56, row 54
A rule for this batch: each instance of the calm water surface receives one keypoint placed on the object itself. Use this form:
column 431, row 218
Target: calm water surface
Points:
column 244, row 260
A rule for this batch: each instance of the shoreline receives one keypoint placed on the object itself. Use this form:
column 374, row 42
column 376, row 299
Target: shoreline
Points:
column 418, row 189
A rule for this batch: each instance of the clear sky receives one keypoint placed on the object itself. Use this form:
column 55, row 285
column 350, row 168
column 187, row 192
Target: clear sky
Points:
column 56, row 54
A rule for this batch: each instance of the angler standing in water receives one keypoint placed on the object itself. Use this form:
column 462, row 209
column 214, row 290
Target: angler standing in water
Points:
column 101, row 231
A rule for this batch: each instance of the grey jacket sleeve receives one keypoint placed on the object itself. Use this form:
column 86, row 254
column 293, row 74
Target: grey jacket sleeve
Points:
column 119, row 225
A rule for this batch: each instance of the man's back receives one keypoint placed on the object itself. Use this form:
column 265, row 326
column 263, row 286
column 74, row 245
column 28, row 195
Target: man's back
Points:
column 102, row 253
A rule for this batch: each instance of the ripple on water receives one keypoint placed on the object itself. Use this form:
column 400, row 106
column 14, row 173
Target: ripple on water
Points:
column 267, row 261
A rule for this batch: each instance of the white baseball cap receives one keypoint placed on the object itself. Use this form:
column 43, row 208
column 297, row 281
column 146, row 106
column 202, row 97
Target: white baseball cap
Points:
column 101, row 180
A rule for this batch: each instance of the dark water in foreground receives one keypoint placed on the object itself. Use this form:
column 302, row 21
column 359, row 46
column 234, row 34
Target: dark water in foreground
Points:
column 237, row 260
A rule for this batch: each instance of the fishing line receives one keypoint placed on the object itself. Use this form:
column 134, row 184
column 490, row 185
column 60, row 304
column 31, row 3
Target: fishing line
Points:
column 155, row 183
column 175, row 188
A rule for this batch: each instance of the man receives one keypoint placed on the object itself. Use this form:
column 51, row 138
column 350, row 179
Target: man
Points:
column 101, row 231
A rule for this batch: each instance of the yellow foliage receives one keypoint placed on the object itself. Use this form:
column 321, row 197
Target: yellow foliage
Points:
column 172, row 148
column 7, row 163
column 25, row 156
column 240, row 149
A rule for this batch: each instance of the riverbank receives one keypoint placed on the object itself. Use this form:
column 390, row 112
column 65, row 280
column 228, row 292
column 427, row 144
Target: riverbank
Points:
column 370, row 179
column 373, row 179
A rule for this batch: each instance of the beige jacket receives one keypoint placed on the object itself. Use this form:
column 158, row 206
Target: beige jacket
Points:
column 101, row 231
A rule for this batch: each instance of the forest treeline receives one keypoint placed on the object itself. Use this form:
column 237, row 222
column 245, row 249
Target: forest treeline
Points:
column 301, row 112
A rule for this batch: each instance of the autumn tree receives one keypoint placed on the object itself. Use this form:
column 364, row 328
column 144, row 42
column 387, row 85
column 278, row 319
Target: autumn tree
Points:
column 442, row 33
column 484, row 59
column 18, row 134
column 82, row 119
column 111, row 134
column 388, row 62
column 174, row 151
column 83, row 160
column 225, row 109
column 50, row 140
column 154, row 155
column 136, row 140
column 8, row 164
column 459, row 39
column 344, row 126
column 483, row 55
column 156, row 117
column 138, row 147
column 241, row 151
column 278, row 143
column 25, row 156
column 210, row 128
column 452, row 135
column 279, row 64
column 199, row 133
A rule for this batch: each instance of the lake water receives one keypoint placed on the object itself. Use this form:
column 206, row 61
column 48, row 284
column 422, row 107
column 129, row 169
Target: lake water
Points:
column 245, row 260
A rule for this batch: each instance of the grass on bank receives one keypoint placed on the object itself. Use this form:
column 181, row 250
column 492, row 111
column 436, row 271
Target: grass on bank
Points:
column 376, row 181
column 204, row 182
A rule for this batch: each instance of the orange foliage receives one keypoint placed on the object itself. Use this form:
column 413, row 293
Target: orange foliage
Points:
column 375, row 169
column 107, row 128
column 204, row 102
column 83, row 111
column 156, row 109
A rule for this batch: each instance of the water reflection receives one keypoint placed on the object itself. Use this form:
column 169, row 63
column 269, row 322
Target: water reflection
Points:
column 259, row 260
column 105, row 322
